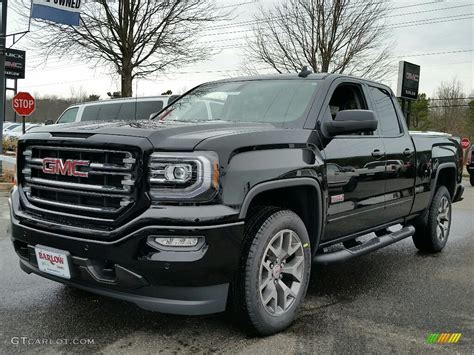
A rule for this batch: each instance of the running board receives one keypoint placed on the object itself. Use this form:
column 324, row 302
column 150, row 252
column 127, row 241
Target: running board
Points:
column 370, row 245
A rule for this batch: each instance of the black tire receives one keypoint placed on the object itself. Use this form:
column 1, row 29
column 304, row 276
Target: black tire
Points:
column 265, row 225
column 471, row 179
column 430, row 236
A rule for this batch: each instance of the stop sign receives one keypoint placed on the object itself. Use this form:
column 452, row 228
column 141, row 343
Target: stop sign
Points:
column 465, row 143
column 23, row 104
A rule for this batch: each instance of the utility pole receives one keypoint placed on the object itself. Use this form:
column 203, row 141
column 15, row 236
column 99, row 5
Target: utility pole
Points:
column 3, row 48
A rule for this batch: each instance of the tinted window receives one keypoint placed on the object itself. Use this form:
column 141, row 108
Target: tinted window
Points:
column 146, row 108
column 386, row 113
column 106, row 112
column 69, row 115
column 127, row 111
column 90, row 113
column 109, row 112
column 347, row 97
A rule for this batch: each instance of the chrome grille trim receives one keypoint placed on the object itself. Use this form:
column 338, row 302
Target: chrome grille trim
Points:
column 108, row 189
column 76, row 207
column 77, row 186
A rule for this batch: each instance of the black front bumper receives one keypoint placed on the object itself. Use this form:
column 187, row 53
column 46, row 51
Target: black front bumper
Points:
column 127, row 268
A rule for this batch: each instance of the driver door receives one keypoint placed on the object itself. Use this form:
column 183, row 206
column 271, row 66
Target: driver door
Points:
column 356, row 192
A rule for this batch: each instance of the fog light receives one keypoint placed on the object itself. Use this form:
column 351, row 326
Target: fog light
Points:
column 177, row 241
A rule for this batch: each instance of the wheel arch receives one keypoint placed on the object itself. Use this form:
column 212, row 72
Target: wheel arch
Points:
column 292, row 194
column 445, row 175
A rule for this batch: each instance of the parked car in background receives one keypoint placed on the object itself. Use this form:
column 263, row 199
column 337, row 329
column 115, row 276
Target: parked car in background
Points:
column 18, row 130
column 127, row 109
column 8, row 126
column 470, row 165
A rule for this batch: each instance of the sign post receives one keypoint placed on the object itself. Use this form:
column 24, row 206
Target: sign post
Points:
column 3, row 34
column 408, row 84
column 24, row 105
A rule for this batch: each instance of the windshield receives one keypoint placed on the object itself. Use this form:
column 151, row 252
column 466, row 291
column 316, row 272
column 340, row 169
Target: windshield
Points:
column 272, row 101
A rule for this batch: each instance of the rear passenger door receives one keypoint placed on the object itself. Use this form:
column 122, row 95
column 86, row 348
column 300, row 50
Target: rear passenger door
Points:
column 399, row 155
column 356, row 192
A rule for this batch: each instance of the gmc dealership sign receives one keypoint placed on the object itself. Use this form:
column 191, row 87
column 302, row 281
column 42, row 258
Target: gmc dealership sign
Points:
column 408, row 80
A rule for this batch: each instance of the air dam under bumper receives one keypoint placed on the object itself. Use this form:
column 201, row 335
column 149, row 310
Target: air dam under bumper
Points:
column 185, row 300
column 129, row 269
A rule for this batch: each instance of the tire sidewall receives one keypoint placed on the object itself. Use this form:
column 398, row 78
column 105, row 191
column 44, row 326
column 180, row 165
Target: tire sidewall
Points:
column 262, row 320
column 432, row 218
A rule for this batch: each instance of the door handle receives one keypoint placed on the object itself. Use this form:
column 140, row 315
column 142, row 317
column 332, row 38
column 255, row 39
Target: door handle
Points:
column 407, row 152
column 377, row 153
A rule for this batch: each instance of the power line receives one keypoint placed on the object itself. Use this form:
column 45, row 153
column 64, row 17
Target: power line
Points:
column 251, row 22
column 398, row 25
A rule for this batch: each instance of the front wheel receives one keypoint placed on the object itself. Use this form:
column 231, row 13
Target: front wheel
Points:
column 276, row 273
column 432, row 232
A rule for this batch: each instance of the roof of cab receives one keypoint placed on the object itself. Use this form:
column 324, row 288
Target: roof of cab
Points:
column 294, row 76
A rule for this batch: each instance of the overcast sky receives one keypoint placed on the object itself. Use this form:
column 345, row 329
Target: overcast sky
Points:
column 443, row 49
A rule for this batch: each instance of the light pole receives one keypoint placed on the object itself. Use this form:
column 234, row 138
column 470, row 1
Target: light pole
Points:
column 3, row 39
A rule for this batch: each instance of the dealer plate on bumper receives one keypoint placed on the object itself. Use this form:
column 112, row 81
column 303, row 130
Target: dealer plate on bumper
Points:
column 53, row 261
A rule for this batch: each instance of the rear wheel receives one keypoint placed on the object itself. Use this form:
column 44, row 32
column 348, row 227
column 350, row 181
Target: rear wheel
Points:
column 433, row 230
column 276, row 272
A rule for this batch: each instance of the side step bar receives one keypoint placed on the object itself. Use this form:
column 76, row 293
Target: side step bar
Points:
column 370, row 245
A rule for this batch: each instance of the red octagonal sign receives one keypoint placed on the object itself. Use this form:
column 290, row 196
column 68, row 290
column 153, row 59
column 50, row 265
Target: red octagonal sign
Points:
column 465, row 143
column 23, row 104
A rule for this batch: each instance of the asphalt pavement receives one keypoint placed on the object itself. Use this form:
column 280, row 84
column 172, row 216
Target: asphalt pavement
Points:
column 387, row 301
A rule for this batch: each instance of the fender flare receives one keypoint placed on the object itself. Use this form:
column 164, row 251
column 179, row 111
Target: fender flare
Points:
column 434, row 182
column 284, row 183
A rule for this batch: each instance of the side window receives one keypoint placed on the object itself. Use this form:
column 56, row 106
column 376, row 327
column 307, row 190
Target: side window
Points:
column 90, row 113
column 127, row 111
column 386, row 114
column 146, row 108
column 69, row 115
column 347, row 97
column 109, row 112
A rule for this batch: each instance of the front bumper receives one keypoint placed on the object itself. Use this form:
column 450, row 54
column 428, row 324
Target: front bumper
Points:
column 127, row 268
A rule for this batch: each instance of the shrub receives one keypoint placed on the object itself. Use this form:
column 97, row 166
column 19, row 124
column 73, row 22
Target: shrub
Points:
column 9, row 144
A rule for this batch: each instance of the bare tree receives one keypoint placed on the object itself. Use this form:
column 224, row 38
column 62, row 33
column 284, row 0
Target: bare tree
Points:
column 449, row 109
column 337, row 36
column 135, row 38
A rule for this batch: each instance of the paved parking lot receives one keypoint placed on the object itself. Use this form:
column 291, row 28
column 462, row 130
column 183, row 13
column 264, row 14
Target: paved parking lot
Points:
column 388, row 301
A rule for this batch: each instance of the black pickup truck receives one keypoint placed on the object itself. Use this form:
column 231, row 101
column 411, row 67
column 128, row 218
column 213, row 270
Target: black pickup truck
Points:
column 231, row 195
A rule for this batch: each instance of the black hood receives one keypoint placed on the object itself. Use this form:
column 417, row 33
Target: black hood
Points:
column 163, row 135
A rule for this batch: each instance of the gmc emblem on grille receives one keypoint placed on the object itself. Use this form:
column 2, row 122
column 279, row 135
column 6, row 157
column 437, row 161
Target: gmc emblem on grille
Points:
column 69, row 167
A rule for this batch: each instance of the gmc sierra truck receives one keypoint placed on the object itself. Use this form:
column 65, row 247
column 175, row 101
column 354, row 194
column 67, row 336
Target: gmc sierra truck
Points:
column 231, row 195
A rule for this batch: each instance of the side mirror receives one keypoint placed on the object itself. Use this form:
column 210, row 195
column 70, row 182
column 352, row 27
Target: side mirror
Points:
column 351, row 121
column 48, row 122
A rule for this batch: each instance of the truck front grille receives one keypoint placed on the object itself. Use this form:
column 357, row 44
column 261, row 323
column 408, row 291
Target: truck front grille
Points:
column 102, row 186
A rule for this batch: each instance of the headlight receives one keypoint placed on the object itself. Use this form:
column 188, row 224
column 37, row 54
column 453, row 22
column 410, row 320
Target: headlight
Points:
column 180, row 176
